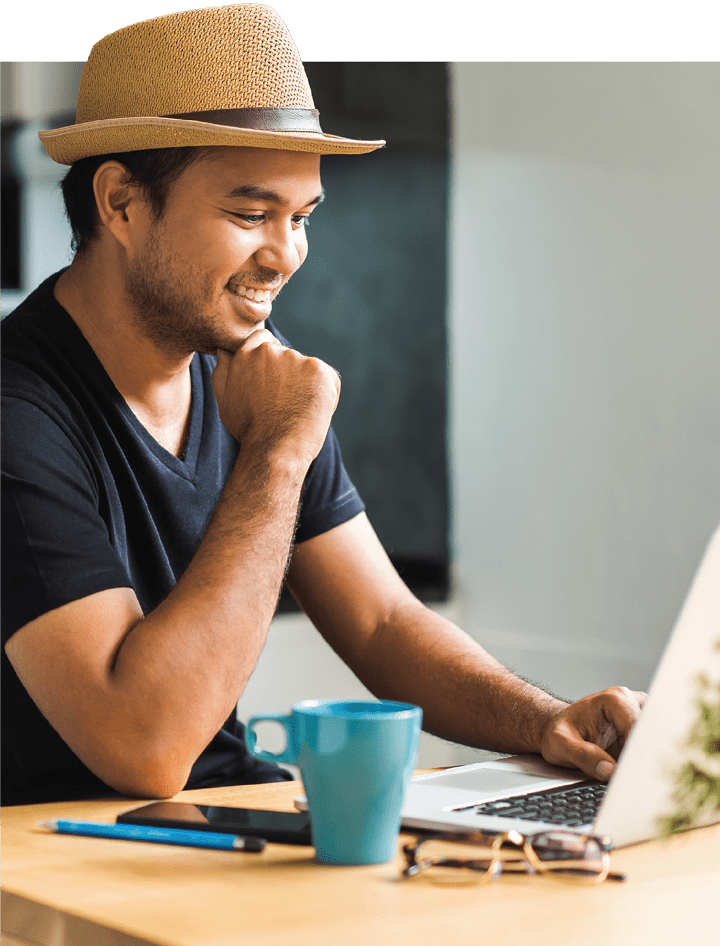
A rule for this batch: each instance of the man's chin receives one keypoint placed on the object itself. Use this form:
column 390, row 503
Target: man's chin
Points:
column 224, row 341
column 230, row 347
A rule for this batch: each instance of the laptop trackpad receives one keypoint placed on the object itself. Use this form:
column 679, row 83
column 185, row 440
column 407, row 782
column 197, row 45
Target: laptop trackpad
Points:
column 489, row 780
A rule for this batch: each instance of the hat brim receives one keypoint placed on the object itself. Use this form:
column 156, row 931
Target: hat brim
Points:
column 74, row 142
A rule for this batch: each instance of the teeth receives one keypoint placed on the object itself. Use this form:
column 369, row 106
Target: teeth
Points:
column 259, row 295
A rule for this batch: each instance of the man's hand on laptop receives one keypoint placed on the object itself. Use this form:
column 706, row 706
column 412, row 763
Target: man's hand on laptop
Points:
column 590, row 733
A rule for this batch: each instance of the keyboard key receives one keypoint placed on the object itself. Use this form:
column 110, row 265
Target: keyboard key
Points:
column 573, row 806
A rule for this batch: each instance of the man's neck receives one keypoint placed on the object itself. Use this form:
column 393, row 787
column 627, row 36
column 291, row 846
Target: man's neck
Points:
column 155, row 385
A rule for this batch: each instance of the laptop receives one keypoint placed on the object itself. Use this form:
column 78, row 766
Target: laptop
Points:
column 496, row 795
column 523, row 792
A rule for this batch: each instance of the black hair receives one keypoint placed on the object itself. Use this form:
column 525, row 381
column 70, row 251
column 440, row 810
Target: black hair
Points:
column 154, row 171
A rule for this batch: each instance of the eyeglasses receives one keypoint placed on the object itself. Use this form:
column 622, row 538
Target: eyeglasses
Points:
column 479, row 858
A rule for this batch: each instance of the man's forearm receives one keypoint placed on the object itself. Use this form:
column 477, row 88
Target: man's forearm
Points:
column 467, row 696
column 193, row 654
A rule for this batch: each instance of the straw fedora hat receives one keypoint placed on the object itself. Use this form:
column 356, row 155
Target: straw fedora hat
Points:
column 227, row 75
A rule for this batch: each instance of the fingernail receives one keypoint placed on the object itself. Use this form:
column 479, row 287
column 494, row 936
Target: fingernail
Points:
column 604, row 770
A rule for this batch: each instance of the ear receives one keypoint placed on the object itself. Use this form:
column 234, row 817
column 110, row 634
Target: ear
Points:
column 119, row 203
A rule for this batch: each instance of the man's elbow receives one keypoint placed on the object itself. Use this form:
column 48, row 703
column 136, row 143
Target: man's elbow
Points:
column 145, row 775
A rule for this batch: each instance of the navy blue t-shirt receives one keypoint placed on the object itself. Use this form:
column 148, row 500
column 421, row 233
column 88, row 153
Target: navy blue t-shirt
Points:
column 91, row 501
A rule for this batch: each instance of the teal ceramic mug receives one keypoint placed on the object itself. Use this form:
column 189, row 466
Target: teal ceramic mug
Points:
column 356, row 758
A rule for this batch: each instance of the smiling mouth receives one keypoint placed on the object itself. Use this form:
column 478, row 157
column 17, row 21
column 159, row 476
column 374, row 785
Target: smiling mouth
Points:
column 250, row 292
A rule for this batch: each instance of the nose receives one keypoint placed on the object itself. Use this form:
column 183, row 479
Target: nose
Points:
column 283, row 249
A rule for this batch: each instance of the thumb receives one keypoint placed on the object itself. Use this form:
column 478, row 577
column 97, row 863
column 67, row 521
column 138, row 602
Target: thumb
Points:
column 591, row 759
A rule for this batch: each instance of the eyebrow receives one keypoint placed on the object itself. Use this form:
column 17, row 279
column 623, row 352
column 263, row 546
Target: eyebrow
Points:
column 255, row 192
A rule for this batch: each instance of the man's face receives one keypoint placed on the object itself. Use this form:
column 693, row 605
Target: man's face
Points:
column 205, row 274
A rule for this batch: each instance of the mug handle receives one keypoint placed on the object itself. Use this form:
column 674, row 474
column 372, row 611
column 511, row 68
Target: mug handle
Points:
column 288, row 755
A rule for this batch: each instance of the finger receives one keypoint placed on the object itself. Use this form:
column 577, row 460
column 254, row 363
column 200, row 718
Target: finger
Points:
column 621, row 708
column 607, row 736
column 607, row 718
column 260, row 336
column 589, row 758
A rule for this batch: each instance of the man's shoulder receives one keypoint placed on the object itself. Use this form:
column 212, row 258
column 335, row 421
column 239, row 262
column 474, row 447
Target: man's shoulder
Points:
column 28, row 330
column 33, row 306
column 43, row 360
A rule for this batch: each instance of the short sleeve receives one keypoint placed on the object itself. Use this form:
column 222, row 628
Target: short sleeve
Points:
column 329, row 496
column 55, row 543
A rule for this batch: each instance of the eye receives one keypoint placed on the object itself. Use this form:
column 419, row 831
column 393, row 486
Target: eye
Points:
column 301, row 220
column 252, row 219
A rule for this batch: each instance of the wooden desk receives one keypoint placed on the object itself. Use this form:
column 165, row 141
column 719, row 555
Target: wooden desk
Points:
column 60, row 890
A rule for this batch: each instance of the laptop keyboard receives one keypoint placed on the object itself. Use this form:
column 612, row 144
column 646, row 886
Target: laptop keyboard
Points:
column 573, row 806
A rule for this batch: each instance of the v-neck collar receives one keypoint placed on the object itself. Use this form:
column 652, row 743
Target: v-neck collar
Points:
column 187, row 465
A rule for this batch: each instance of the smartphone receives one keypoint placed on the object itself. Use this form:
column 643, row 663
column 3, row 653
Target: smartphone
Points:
column 283, row 827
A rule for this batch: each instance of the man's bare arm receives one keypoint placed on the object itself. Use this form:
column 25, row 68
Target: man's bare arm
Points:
column 402, row 650
column 138, row 697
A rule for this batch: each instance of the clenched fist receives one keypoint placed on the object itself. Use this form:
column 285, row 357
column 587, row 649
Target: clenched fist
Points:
column 275, row 400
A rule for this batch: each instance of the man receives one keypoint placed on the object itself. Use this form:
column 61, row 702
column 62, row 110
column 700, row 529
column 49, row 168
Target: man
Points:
column 165, row 449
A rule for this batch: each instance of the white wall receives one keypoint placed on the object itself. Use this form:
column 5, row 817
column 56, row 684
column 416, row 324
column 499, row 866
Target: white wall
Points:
column 32, row 91
column 586, row 359
column 585, row 330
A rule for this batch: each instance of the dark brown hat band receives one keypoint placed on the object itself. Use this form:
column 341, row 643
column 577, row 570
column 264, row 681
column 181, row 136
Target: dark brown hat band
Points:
column 259, row 119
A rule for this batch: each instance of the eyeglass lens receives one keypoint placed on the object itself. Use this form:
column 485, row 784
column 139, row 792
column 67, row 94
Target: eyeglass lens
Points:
column 557, row 853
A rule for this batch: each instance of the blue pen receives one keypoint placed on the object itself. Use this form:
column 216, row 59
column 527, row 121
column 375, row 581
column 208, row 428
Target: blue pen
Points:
column 133, row 832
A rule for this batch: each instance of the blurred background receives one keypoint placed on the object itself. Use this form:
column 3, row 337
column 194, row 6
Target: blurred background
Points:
column 521, row 294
